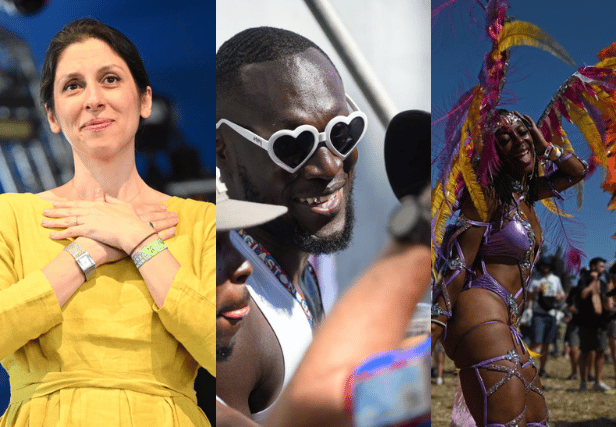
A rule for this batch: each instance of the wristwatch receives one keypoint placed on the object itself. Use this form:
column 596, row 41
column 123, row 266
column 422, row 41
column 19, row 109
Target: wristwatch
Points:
column 410, row 222
column 84, row 260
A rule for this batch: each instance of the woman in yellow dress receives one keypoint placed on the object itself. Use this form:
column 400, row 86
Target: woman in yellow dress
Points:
column 107, row 293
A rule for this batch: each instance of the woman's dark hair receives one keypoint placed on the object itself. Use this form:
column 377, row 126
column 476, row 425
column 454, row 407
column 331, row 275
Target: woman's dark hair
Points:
column 503, row 183
column 79, row 31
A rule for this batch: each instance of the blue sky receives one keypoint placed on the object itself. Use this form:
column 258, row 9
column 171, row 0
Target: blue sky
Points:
column 583, row 29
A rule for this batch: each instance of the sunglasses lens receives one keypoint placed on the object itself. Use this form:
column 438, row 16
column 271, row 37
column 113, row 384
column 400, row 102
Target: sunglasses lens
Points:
column 344, row 137
column 294, row 150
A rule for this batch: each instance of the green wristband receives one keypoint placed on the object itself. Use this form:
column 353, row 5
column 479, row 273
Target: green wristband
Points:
column 149, row 252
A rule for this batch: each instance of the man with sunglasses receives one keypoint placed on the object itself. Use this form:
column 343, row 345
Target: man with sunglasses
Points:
column 286, row 134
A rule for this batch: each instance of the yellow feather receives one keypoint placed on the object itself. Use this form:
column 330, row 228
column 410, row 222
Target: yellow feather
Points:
column 551, row 206
column 473, row 187
column 607, row 63
column 562, row 141
column 603, row 102
column 473, row 117
column 466, row 168
column 442, row 211
column 520, row 33
column 437, row 199
column 579, row 188
column 587, row 127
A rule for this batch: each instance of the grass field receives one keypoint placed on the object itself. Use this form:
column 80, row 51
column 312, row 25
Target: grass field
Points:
column 568, row 407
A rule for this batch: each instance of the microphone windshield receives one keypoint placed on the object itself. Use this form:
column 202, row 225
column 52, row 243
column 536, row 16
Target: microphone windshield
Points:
column 407, row 152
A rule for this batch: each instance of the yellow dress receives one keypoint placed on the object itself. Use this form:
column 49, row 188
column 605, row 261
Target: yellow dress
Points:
column 109, row 357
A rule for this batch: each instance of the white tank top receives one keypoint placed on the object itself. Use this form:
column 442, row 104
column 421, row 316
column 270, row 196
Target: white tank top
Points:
column 281, row 310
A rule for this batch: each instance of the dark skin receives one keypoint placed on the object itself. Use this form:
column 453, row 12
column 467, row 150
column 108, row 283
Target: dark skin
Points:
column 232, row 271
column 516, row 145
column 283, row 94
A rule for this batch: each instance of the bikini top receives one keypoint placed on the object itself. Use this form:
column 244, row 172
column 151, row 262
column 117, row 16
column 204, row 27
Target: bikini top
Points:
column 513, row 239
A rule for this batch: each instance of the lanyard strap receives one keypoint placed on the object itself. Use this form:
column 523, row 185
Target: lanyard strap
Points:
column 282, row 277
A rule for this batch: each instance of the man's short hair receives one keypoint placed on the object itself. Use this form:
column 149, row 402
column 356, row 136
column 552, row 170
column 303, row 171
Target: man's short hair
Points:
column 595, row 261
column 252, row 46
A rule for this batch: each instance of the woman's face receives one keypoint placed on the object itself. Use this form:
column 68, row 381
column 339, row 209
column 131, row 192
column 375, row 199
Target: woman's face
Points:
column 515, row 146
column 96, row 102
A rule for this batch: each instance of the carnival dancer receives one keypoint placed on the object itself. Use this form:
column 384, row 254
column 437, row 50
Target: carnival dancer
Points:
column 106, row 286
column 496, row 165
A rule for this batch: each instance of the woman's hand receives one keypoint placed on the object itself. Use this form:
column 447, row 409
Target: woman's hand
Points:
column 101, row 253
column 164, row 221
column 108, row 221
column 538, row 140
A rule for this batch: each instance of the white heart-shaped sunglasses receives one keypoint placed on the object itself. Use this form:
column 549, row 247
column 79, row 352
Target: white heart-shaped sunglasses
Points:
column 291, row 149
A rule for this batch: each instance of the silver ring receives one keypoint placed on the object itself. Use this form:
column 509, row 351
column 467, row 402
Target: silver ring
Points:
column 151, row 224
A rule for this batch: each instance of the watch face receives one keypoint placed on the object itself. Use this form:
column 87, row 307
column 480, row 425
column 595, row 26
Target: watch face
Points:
column 86, row 263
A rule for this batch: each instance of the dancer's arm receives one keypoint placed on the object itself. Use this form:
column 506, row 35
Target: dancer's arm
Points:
column 469, row 241
column 571, row 169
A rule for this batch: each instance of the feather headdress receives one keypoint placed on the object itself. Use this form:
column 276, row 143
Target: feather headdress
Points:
column 469, row 159
column 607, row 59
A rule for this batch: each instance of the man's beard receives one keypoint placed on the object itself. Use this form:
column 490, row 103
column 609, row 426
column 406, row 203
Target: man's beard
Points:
column 286, row 226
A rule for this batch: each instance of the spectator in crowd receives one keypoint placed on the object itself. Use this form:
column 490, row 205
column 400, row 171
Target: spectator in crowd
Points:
column 593, row 333
column 546, row 293
column 572, row 336
column 439, row 361
column 611, row 306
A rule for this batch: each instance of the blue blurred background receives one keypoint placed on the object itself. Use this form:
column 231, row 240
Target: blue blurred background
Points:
column 177, row 44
